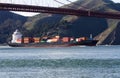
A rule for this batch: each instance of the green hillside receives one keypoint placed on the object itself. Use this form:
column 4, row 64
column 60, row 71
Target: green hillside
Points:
column 9, row 22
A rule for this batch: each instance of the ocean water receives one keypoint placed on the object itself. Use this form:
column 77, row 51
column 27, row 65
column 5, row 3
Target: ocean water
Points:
column 60, row 62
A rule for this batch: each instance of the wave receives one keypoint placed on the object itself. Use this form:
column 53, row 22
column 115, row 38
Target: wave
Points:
column 60, row 63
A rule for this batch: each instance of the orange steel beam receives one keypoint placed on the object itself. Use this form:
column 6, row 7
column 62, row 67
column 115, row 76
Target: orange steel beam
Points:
column 53, row 10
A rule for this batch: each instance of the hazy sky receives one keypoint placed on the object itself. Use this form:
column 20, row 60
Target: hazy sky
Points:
column 50, row 3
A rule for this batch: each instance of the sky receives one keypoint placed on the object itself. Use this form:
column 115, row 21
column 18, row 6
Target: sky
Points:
column 50, row 3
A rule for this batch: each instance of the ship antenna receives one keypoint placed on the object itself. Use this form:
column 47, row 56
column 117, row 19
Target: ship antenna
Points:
column 91, row 37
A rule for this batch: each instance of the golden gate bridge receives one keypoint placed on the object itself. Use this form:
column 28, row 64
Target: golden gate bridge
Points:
column 54, row 10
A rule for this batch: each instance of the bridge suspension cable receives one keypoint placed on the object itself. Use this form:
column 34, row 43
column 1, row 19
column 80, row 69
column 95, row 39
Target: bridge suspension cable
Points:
column 50, row 3
column 69, row 1
column 77, row 5
column 59, row 2
column 68, row 6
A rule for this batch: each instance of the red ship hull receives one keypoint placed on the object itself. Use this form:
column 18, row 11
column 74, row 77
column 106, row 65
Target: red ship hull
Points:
column 57, row 44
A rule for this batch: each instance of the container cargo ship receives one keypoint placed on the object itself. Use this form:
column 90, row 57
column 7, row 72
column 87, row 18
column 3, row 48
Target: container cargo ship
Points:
column 57, row 41
column 56, row 44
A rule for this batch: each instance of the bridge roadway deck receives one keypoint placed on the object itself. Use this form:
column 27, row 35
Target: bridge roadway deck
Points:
column 53, row 10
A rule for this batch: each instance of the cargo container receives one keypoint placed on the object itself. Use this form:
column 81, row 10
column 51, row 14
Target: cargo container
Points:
column 71, row 39
column 26, row 40
column 36, row 40
column 52, row 40
column 57, row 37
column 45, row 37
column 65, row 39
column 81, row 39
column 19, row 41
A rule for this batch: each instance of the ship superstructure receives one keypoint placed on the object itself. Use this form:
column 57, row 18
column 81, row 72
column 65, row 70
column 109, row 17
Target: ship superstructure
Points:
column 16, row 37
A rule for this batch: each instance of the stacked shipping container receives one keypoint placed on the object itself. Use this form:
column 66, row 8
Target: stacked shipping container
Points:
column 36, row 40
column 54, row 39
column 26, row 40
column 65, row 39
